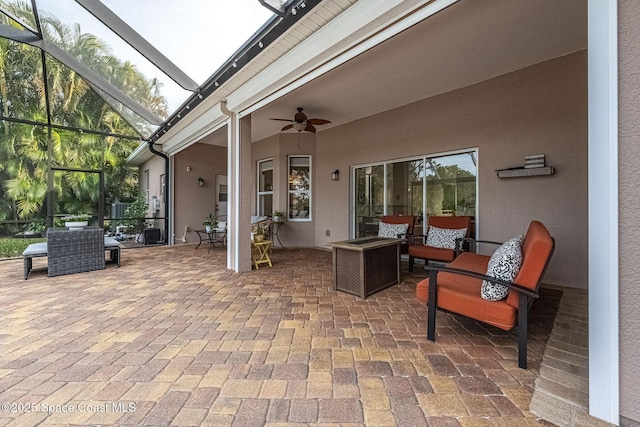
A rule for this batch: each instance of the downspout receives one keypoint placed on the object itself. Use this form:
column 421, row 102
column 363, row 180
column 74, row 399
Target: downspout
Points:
column 166, row 190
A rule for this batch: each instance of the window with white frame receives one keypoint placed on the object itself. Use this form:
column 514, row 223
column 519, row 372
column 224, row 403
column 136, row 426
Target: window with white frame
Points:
column 265, row 187
column 299, row 203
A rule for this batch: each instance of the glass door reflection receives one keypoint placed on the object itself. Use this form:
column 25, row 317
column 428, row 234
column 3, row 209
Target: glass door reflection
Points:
column 369, row 203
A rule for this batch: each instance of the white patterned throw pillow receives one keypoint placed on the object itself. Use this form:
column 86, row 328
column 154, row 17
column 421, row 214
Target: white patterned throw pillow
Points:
column 392, row 230
column 504, row 264
column 444, row 237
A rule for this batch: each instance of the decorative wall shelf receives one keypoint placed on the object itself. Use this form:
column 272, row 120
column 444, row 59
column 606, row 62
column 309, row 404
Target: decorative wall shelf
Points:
column 521, row 172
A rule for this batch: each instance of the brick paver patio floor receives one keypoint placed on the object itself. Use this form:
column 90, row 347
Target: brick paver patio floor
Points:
column 173, row 338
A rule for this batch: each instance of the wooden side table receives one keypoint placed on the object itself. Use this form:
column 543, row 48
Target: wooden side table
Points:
column 260, row 253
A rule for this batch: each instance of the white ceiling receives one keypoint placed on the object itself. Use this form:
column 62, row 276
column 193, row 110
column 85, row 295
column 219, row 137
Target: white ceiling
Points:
column 467, row 43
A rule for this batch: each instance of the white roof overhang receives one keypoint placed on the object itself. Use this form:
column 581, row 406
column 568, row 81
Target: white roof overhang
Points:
column 330, row 35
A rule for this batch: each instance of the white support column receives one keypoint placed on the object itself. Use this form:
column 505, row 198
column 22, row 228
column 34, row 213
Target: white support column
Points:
column 604, row 366
column 170, row 184
column 239, row 207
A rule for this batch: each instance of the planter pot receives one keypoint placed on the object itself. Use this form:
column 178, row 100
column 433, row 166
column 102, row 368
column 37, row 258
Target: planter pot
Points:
column 207, row 228
column 258, row 238
column 277, row 218
column 76, row 225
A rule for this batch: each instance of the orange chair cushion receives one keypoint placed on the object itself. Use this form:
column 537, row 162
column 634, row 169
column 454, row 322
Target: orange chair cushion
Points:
column 451, row 222
column 431, row 253
column 422, row 251
column 467, row 301
column 537, row 247
column 461, row 294
column 457, row 282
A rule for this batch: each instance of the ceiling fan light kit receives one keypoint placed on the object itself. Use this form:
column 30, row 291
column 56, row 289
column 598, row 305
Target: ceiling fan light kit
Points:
column 301, row 123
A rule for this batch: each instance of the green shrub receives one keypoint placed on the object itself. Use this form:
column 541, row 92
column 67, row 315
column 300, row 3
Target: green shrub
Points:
column 12, row 248
column 135, row 215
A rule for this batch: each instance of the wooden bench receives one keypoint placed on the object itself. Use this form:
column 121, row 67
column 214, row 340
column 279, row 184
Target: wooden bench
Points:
column 72, row 253
column 456, row 287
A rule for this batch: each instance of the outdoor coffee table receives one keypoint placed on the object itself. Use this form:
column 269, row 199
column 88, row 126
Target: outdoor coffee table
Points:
column 365, row 265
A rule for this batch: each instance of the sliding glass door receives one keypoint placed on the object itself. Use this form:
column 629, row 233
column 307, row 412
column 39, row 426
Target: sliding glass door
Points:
column 451, row 185
column 369, row 199
column 431, row 185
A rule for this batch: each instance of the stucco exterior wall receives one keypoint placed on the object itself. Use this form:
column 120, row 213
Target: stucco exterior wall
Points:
column 538, row 110
column 279, row 147
column 192, row 202
column 156, row 168
column 629, row 161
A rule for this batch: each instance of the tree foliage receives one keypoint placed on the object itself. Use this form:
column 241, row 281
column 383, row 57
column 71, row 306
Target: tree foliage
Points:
column 26, row 149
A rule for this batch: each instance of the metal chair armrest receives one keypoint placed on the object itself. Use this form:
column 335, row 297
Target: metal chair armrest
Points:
column 511, row 285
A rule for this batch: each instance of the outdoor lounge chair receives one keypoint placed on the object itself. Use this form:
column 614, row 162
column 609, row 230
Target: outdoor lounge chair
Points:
column 439, row 240
column 465, row 286
column 399, row 220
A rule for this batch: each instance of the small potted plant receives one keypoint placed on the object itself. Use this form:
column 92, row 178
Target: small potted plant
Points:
column 259, row 233
column 210, row 222
column 278, row 216
column 36, row 228
column 76, row 221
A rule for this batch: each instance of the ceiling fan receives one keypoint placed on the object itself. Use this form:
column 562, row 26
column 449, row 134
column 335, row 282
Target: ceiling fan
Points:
column 300, row 122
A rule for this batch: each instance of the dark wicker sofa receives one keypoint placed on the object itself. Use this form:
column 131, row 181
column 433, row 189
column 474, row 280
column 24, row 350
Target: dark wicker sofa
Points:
column 72, row 251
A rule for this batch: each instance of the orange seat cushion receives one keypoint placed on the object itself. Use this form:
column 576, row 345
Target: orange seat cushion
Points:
column 461, row 294
column 422, row 251
column 431, row 253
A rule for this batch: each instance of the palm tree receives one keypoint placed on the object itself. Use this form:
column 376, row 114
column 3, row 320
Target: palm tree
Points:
column 24, row 149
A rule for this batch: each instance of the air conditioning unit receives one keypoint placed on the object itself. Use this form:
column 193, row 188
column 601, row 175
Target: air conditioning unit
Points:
column 117, row 209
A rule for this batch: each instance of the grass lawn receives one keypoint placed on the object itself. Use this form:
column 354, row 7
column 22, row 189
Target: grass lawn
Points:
column 12, row 248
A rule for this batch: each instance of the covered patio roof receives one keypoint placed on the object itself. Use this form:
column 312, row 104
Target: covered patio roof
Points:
column 370, row 58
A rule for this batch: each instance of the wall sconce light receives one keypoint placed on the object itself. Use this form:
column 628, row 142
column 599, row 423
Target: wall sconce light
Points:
column 201, row 182
column 335, row 175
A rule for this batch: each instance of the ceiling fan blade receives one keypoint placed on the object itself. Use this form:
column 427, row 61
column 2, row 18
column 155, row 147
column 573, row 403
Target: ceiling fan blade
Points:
column 310, row 128
column 283, row 120
column 318, row 121
column 286, row 127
